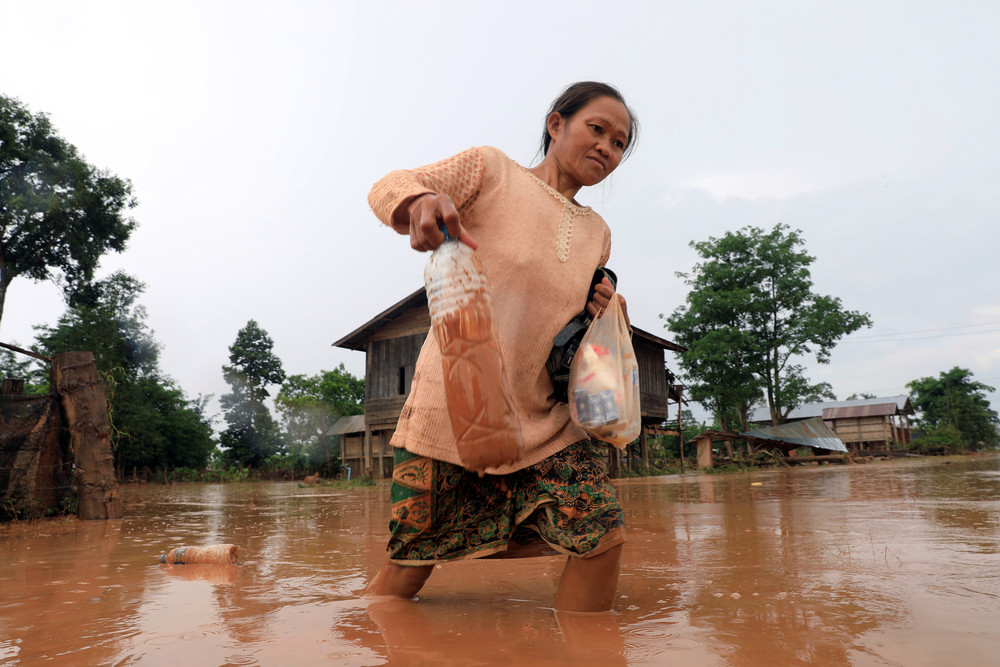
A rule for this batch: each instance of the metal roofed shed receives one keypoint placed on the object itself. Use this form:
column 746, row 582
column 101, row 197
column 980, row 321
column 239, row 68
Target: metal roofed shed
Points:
column 863, row 425
column 808, row 433
column 807, row 410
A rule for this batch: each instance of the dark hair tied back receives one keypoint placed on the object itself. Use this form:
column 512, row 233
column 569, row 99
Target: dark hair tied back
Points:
column 577, row 96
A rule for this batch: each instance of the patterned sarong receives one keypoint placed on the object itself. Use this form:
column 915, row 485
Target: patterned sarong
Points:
column 564, row 504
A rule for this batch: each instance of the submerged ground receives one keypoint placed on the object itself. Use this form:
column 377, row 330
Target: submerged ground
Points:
column 879, row 564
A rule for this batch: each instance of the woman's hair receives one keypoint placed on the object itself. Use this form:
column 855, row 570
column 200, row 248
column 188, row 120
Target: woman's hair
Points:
column 577, row 96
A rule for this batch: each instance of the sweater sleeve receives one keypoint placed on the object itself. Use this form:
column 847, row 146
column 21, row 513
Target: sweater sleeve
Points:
column 459, row 177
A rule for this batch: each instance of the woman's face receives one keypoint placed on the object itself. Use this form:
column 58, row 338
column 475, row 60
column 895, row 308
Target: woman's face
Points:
column 590, row 145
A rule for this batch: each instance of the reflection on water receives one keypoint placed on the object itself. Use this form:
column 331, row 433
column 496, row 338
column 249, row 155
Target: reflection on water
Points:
column 884, row 564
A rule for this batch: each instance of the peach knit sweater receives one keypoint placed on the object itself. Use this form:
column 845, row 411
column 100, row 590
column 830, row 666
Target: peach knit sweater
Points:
column 539, row 251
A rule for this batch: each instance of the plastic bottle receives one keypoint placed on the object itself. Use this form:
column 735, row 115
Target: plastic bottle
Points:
column 479, row 399
column 214, row 553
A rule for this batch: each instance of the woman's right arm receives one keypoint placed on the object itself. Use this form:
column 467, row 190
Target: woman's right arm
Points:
column 425, row 214
column 416, row 202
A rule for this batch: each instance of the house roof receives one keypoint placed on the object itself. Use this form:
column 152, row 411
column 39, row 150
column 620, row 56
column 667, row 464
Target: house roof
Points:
column 349, row 424
column 356, row 339
column 811, row 432
column 656, row 340
column 854, row 411
column 897, row 404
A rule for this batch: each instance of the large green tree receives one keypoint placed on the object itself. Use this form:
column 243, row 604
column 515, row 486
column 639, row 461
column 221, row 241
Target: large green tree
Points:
column 154, row 425
column 58, row 214
column 310, row 404
column 956, row 403
column 750, row 317
column 251, row 436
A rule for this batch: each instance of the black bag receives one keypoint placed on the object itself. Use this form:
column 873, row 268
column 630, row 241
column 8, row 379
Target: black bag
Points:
column 567, row 341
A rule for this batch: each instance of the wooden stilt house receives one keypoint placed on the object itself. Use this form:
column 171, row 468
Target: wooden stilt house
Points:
column 391, row 342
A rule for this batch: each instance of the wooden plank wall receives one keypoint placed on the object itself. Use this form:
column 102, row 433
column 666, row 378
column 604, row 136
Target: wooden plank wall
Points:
column 652, row 379
column 385, row 359
column 863, row 429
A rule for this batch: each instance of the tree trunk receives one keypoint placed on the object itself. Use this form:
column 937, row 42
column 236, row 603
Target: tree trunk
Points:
column 83, row 395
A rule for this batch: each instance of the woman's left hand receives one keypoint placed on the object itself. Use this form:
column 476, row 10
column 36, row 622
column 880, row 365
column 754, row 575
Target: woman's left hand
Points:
column 603, row 293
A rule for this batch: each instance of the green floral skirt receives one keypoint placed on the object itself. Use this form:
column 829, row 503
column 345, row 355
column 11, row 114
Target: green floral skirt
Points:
column 564, row 504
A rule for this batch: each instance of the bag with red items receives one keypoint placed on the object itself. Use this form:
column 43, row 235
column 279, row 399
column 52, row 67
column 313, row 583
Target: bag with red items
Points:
column 604, row 380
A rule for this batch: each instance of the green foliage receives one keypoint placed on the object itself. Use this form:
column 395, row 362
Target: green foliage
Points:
column 252, row 436
column 750, row 315
column 58, row 214
column 21, row 367
column 154, row 424
column 941, row 440
column 310, row 405
column 953, row 407
column 109, row 323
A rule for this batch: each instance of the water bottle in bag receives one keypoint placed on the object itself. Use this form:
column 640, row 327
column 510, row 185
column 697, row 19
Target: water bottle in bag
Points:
column 479, row 399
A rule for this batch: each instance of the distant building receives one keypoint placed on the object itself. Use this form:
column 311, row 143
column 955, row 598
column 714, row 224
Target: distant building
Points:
column 391, row 342
column 865, row 424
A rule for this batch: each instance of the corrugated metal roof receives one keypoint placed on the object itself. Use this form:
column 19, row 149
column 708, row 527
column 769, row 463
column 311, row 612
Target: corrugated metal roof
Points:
column 855, row 411
column 349, row 424
column 809, row 433
column 901, row 403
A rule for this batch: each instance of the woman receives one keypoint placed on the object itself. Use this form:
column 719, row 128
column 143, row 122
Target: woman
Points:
column 540, row 250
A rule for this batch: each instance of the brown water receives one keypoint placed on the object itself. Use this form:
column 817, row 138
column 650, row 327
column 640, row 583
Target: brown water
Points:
column 880, row 564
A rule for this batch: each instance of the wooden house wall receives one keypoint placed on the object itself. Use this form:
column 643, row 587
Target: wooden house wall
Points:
column 863, row 429
column 652, row 379
column 391, row 363
column 353, row 454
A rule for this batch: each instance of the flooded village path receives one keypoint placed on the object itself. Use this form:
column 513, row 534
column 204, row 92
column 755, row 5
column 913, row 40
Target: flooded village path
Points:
column 880, row 564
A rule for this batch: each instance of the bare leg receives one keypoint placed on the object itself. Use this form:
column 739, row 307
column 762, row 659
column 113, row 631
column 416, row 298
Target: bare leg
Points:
column 398, row 580
column 589, row 584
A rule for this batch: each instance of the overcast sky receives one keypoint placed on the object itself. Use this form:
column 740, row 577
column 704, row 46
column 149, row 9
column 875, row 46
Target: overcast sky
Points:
column 252, row 132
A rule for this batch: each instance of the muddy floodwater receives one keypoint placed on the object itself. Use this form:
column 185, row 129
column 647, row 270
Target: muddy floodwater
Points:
column 877, row 564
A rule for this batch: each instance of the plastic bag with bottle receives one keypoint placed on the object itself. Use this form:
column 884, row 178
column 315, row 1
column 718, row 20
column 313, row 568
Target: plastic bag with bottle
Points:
column 604, row 380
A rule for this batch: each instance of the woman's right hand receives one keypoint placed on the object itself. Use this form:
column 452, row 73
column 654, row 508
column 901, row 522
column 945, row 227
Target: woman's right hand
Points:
column 427, row 213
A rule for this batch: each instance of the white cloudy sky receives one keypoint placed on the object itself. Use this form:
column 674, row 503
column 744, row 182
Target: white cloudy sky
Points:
column 252, row 132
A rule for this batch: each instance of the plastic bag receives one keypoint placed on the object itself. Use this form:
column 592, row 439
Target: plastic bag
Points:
column 604, row 380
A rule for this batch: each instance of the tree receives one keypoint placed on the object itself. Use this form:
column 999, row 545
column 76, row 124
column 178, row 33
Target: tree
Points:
column 252, row 436
column 750, row 315
column 953, row 402
column 311, row 404
column 154, row 425
column 58, row 214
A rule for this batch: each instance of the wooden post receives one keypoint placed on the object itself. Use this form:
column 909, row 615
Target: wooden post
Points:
column 644, row 449
column 367, row 453
column 704, row 451
column 614, row 462
column 13, row 387
column 84, row 399
column 680, row 429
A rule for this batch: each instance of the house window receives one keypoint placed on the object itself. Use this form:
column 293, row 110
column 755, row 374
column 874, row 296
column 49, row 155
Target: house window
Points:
column 402, row 380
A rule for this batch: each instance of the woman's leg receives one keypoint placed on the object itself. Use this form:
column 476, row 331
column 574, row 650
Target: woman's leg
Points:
column 589, row 584
column 398, row 580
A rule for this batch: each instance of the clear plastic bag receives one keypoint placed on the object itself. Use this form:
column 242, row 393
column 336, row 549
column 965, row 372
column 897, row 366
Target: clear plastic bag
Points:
column 604, row 380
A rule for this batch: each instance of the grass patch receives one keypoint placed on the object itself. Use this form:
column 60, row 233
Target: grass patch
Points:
column 339, row 483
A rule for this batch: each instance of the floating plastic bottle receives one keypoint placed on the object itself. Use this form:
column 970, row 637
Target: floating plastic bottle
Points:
column 216, row 553
column 479, row 399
